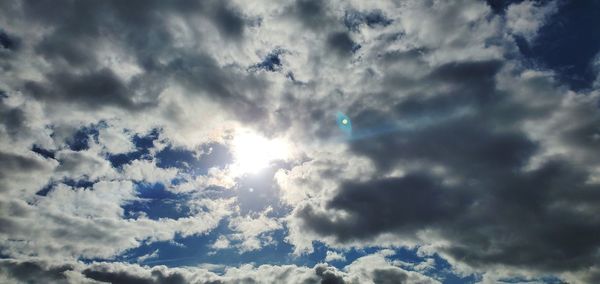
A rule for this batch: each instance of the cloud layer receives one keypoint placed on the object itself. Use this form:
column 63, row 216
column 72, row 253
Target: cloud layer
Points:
column 471, row 148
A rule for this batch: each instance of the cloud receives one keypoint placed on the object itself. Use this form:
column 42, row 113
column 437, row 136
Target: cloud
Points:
column 334, row 256
column 252, row 231
column 30, row 271
column 149, row 256
column 524, row 19
column 149, row 172
column 358, row 272
column 462, row 149
column 115, row 141
column 24, row 174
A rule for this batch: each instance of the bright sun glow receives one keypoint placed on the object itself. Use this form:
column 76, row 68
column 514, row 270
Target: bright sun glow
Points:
column 253, row 152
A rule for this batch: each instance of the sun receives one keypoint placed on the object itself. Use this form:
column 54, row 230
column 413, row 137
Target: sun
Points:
column 252, row 152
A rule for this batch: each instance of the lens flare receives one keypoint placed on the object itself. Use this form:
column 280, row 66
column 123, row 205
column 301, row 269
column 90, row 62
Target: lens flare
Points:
column 344, row 123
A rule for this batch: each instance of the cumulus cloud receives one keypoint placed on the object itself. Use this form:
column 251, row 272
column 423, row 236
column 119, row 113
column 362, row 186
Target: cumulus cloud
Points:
column 358, row 272
column 527, row 17
column 334, row 256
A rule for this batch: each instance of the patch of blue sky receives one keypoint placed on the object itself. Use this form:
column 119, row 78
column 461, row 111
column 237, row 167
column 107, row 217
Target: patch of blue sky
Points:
column 258, row 192
column 271, row 62
column 195, row 163
column 143, row 144
column 48, row 154
column 82, row 183
column 567, row 44
column 196, row 250
column 80, row 139
column 441, row 269
column 156, row 202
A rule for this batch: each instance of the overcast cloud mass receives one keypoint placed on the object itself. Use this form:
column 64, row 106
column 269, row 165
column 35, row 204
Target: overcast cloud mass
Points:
column 196, row 141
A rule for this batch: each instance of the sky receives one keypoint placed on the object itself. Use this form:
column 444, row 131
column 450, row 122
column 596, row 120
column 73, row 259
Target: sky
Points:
column 203, row 141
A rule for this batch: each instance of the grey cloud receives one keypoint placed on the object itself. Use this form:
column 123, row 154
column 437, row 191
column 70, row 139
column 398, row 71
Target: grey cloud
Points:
column 16, row 171
column 33, row 272
column 312, row 13
column 328, row 275
column 116, row 277
column 341, row 43
column 98, row 88
column 75, row 53
column 80, row 26
column 405, row 204
column 27, row 271
column 528, row 220
column 8, row 41
column 484, row 203
column 463, row 145
column 233, row 88
column 475, row 77
column 490, row 209
column 354, row 19
column 228, row 20
column 389, row 276
column 14, row 120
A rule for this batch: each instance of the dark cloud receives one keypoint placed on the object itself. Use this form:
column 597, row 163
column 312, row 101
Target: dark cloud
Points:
column 476, row 76
column 328, row 275
column 463, row 145
column 90, row 90
column 75, row 53
column 235, row 89
column 17, row 163
column 490, row 209
column 312, row 13
column 389, row 276
column 79, row 27
column 528, row 220
column 228, row 21
column 14, row 120
column 405, row 204
column 341, row 43
column 116, row 277
column 32, row 272
column 8, row 41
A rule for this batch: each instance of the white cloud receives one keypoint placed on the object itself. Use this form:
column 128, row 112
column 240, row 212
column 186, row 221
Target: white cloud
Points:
column 147, row 171
column 526, row 18
column 115, row 141
column 82, row 165
column 334, row 256
column 250, row 232
column 148, row 256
